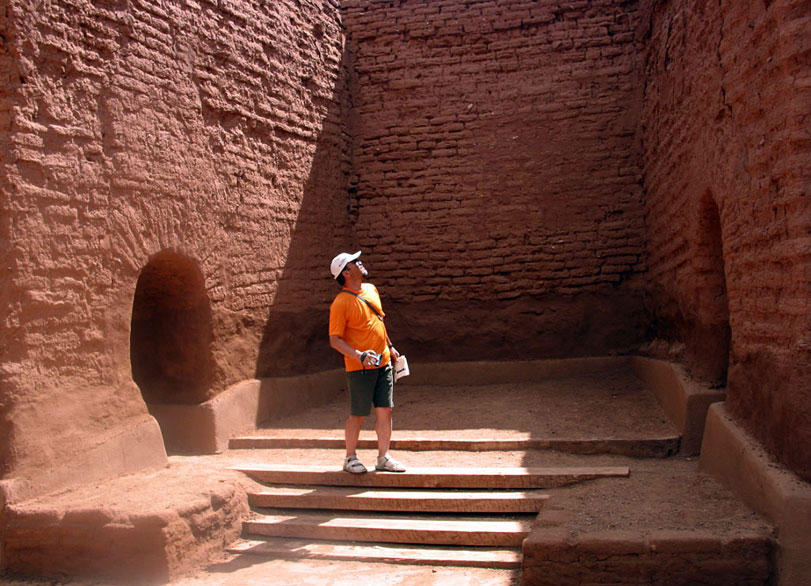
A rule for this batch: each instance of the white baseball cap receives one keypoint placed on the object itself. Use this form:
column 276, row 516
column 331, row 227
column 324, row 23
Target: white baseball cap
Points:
column 339, row 263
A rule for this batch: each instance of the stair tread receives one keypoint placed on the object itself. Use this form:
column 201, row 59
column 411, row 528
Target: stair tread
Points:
column 397, row 522
column 423, row 554
column 393, row 529
column 440, row 470
column 404, row 494
column 329, row 497
column 432, row 477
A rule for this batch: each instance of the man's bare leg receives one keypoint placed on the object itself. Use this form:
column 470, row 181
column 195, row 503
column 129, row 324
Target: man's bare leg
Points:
column 351, row 434
column 383, row 425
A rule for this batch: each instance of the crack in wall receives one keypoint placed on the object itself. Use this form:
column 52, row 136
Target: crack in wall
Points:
column 720, row 60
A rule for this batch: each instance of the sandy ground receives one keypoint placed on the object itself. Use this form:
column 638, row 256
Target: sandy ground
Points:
column 659, row 494
column 608, row 404
column 248, row 571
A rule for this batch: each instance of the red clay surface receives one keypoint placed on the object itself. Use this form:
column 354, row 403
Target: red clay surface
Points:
column 659, row 494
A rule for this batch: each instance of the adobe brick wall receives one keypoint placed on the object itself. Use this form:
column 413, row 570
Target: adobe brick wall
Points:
column 496, row 188
column 8, row 72
column 495, row 176
column 725, row 125
column 211, row 130
column 660, row 558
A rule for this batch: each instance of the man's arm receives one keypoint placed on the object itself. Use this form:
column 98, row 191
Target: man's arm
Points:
column 341, row 346
column 392, row 350
column 338, row 343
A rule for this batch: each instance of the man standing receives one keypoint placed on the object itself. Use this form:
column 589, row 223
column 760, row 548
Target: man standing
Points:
column 357, row 331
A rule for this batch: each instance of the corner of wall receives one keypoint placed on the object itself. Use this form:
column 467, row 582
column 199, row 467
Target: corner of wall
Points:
column 684, row 401
column 739, row 462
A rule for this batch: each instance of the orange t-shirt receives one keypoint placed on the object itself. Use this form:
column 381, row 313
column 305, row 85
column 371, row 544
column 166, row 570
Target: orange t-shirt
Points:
column 355, row 322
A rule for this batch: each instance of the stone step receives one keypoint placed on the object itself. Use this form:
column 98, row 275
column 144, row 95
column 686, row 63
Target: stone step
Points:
column 347, row 498
column 281, row 548
column 656, row 447
column 432, row 477
column 392, row 528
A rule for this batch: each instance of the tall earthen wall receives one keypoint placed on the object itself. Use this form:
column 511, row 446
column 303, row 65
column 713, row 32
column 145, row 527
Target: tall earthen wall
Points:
column 725, row 128
column 497, row 188
column 494, row 154
column 204, row 139
column 8, row 72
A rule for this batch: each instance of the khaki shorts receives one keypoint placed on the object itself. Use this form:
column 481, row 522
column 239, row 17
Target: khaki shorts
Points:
column 370, row 387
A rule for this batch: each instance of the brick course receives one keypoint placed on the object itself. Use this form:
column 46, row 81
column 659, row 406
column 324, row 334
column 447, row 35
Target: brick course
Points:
column 494, row 161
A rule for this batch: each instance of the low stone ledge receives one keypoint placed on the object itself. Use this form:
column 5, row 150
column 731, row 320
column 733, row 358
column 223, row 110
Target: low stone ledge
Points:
column 738, row 461
column 542, row 543
column 555, row 557
column 561, row 552
column 206, row 428
column 678, row 542
column 137, row 529
column 131, row 447
column 684, row 401
column 613, row 543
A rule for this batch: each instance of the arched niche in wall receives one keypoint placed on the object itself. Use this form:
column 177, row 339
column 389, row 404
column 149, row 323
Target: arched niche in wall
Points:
column 713, row 336
column 170, row 340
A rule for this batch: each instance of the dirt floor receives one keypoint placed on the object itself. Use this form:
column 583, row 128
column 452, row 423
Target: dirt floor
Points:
column 661, row 493
column 613, row 403
column 247, row 571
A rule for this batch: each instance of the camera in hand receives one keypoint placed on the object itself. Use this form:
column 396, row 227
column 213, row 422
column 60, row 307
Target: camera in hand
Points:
column 373, row 355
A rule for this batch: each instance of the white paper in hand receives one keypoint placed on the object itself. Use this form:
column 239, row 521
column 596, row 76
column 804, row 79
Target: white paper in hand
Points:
column 401, row 367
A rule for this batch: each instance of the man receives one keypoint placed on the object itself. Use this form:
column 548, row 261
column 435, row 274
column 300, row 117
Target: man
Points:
column 357, row 331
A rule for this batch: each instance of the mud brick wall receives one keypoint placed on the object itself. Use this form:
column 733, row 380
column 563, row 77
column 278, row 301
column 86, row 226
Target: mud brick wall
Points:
column 8, row 72
column 496, row 188
column 725, row 135
column 660, row 557
column 204, row 135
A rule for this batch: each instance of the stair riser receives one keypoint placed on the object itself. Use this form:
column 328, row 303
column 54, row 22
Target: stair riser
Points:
column 380, row 535
column 423, row 481
column 506, row 560
column 654, row 448
column 524, row 505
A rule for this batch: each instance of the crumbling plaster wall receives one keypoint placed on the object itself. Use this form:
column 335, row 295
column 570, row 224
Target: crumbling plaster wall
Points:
column 212, row 130
column 725, row 116
column 497, row 188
